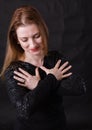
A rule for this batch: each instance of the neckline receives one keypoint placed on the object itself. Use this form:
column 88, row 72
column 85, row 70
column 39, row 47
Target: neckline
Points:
column 25, row 62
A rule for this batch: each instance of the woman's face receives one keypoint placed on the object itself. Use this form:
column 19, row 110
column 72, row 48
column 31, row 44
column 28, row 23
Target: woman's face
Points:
column 30, row 39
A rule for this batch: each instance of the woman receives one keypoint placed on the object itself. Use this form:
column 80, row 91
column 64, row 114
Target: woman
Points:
column 36, row 79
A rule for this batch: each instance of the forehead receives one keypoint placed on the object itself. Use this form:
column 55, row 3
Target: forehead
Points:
column 26, row 30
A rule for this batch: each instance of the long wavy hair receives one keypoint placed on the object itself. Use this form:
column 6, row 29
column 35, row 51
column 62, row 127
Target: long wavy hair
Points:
column 23, row 16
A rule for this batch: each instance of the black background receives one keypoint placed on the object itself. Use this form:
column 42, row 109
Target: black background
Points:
column 70, row 28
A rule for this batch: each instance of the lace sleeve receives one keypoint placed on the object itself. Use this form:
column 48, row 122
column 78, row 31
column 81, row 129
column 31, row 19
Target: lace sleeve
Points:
column 26, row 101
column 74, row 84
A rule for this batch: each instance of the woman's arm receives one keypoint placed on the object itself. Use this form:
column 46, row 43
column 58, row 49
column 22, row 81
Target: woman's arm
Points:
column 25, row 100
column 72, row 86
column 70, row 83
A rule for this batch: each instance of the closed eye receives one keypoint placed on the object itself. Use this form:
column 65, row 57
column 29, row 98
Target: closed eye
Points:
column 37, row 35
column 24, row 39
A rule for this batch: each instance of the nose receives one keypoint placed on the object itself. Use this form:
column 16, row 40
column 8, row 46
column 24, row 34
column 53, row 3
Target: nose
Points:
column 32, row 43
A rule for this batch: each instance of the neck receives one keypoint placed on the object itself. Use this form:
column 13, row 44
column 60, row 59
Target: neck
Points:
column 36, row 60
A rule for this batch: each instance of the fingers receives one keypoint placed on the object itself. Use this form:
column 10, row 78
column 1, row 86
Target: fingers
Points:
column 44, row 68
column 20, row 81
column 64, row 65
column 37, row 72
column 66, row 75
column 19, row 74
column 24, row 72
column 66, row 69
column 58, row 64
column 21, row 84
column 18, row 78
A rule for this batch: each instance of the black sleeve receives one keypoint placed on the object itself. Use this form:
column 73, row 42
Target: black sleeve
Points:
column 26, row 101
column 73, row 85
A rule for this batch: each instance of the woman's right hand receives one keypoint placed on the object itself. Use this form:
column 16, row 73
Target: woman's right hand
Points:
column 59, row 71
column 27, row 80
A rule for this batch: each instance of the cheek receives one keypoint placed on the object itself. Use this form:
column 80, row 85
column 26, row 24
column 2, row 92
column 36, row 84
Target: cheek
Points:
column 39, row 41
column 24, row 46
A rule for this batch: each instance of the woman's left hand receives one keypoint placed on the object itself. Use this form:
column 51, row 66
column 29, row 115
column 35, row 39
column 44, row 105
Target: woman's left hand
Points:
column 27, row 80
column 59, row 71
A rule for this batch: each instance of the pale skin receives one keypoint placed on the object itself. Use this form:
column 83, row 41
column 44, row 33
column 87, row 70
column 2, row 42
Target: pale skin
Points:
column 32, row 81
column 30, row 40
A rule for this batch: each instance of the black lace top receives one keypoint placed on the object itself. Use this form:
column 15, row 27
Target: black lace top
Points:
column 41, row 108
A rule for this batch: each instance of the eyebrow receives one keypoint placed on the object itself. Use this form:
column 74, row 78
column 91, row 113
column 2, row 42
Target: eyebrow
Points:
column 36, row 33
column 32, row 35
column 23, row 37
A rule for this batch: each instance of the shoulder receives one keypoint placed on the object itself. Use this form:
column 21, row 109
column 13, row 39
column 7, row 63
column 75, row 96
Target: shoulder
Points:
column 19, row 64
column 13, row 66
column 52, row 58
column 9, row 72
column 56, row 55
column 10, row 69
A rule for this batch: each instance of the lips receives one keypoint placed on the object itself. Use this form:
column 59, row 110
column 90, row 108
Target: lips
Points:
column 34, row 49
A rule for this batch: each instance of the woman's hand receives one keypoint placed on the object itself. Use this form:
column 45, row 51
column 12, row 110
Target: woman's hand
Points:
column 27, row 80
column 59, row 71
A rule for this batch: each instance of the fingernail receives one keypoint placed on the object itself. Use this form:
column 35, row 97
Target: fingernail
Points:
column 60, row 60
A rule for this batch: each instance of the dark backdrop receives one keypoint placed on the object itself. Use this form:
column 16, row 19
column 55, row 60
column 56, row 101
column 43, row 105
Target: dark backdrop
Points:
column 70, row 28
